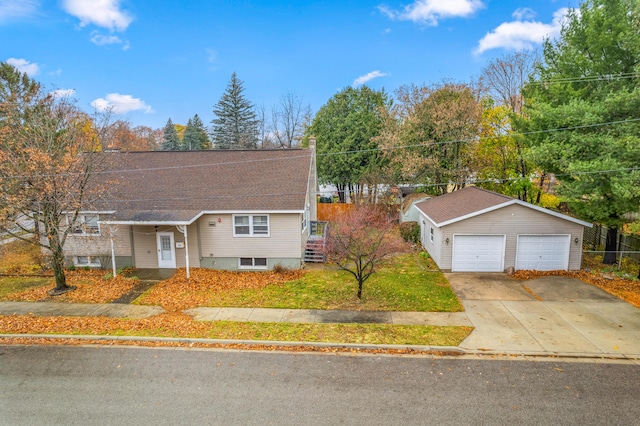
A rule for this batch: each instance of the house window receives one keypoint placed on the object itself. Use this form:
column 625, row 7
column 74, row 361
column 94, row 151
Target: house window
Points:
column 252, row 263
column 86, row 224
column 82, row 261
column 251, row 225
column 431, row 234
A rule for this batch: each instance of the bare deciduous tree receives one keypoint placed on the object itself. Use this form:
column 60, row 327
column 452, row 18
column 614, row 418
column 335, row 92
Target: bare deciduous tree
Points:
column 287, row 120
column 503, row 78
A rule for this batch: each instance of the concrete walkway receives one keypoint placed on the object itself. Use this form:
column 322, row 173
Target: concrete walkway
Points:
column 120, row 310
column 112, row 310
column 331, row 316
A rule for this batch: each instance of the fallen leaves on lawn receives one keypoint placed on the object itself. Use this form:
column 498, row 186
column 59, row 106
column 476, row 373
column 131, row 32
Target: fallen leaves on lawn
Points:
column 628, row 290
column 91, row 288
column 177, row 293
column 174, row 323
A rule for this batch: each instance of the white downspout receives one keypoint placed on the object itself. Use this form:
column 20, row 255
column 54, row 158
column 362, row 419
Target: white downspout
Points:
column 183, row 229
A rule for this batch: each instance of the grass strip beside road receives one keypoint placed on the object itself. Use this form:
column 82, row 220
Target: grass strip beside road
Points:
column 181, row 325
column 10, row 285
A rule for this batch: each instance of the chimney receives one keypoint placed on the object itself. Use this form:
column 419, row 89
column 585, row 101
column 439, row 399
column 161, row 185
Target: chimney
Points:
column 312, row 142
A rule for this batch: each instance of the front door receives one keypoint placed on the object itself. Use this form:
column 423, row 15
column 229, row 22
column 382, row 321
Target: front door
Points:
column 166, row 250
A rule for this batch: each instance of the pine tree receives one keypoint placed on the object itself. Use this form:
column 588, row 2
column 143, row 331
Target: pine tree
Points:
column 171, row 141
column 235, row 125
column 195, row 135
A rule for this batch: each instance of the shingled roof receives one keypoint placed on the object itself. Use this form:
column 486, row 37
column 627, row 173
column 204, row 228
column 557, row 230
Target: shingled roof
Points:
column 471, row 201
column 177, row 186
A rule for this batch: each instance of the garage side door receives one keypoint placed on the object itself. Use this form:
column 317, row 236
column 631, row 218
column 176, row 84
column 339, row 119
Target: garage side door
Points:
column 543, row 252
column 478, row 253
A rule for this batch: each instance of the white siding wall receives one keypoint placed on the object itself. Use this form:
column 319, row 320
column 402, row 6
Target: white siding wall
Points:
column 433, row 248
column 513, row 220
column 89, row 245
column 284, row 240
column 194, row 255
column 145, row 246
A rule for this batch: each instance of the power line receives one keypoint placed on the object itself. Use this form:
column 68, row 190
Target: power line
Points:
column 587, row 79
column 428, row 144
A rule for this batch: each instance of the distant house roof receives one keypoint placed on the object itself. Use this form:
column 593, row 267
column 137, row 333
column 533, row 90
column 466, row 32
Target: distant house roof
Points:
column 178, row 186
column 472, row 201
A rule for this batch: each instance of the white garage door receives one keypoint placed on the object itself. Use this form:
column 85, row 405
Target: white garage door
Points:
column 543, row 252
column 478, row 253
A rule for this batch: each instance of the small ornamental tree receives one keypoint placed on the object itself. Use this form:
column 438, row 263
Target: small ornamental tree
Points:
column 360, row 239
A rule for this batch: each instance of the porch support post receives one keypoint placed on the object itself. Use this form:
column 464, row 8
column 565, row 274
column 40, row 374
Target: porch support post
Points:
column 183, row 229
column 113, row 253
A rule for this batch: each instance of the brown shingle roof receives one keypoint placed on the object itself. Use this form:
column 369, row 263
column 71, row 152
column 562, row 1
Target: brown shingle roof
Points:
column 178, row 185
column 466, row 201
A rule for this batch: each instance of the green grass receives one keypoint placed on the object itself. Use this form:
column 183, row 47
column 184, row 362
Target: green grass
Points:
column 380, row 334
column 402, row 284
column 9, row 285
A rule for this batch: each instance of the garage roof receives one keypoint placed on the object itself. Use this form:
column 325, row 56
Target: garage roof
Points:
column 472, row 201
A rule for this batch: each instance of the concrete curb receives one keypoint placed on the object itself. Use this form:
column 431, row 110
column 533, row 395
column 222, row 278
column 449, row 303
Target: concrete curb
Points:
column 435, row 351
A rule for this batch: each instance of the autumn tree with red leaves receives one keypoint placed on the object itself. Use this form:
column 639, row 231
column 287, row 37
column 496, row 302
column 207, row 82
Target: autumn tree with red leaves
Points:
column 360, row 239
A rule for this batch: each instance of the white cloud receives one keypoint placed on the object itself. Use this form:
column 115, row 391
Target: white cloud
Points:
column 524, row 13
column 103, row 13
column 101, row 40
column 121, row 104
column 63, row 93
column 431, row 11
column 56, row 72
column 17, row 8
column 24, row 66
column 517, row 35
column 368, row 77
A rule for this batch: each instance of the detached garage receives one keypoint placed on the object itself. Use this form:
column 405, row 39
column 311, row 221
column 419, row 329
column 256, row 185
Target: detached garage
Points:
column 476, row 230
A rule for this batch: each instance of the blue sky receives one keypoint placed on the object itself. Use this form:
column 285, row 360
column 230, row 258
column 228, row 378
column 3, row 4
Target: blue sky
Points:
column 151, row 60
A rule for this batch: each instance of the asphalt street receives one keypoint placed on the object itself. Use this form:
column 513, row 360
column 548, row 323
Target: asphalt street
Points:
column 54, row 385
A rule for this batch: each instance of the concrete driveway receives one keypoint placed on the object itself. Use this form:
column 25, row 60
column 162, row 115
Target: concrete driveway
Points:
column 556, row 315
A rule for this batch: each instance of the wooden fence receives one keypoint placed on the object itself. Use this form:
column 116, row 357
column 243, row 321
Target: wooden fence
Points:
column 330, row 211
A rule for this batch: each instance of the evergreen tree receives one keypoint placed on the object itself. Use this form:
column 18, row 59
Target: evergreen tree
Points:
column 171, row 141
column 347, row 123
column 235, row 125
column 195, row 135
column 588, row 84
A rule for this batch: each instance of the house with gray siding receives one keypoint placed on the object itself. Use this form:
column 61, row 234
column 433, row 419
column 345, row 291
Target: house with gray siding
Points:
column 222, row 209
column 476, row 230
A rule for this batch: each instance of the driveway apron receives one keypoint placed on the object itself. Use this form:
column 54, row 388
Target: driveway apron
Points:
column 556, row 315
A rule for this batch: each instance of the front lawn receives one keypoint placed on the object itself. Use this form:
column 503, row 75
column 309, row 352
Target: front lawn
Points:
column 405, row 283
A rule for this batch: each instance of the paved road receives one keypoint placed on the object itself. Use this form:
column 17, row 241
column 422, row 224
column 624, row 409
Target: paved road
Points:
column 49, row 385
column 552, row 314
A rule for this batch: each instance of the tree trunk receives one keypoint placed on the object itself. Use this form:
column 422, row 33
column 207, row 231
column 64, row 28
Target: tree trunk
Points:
column 610, row 247
column 57, row 260
column 360, row 282
column 58, row 271
column 341, row 191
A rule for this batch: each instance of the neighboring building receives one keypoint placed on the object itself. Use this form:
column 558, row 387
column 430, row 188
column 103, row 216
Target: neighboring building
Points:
column 222, row 209
column 476, row 230
column 408, row 210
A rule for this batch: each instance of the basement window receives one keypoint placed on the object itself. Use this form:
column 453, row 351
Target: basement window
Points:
column 252, row 263
column 90, row 261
